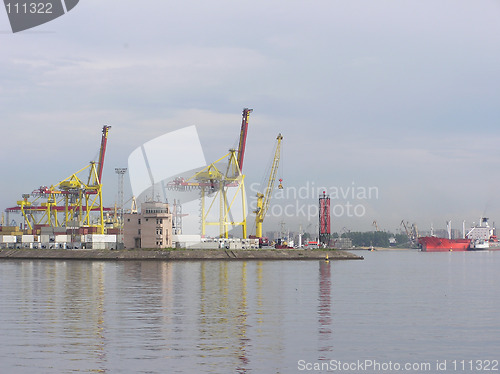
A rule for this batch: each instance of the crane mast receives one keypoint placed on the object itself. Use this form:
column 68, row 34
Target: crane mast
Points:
column 264, row 199
column 243, row 136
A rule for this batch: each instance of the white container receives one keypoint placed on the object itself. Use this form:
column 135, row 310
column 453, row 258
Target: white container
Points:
column 62, row 238
column 100, row 238
column 8, row 239
column 28, row 238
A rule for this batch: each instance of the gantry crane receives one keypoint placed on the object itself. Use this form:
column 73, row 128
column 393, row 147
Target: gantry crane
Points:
column 263, row 199
column 71, row 198
column 215, row 181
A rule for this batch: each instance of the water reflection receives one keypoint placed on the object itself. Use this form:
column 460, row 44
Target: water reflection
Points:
column 325, row 310
column 227, row 317
column 242, row 326
column 223, row 311
column 61, row 311
column 104, row 316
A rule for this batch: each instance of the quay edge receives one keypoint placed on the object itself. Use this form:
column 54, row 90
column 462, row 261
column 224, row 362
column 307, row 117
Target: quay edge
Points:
column 172, row 255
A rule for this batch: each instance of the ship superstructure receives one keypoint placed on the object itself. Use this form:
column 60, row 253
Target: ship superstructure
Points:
column 483, row 236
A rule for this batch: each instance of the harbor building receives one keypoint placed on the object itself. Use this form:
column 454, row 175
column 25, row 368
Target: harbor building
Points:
column 151, row 228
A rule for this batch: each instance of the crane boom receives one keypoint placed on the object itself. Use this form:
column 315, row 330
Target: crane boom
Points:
column 243, row 136
column 102, row 152
column 263, row 200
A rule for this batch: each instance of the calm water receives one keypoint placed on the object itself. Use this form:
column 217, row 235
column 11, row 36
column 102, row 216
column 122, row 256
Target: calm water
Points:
column 250, row 317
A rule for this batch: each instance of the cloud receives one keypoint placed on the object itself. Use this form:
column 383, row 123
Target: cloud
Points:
column 395, row 94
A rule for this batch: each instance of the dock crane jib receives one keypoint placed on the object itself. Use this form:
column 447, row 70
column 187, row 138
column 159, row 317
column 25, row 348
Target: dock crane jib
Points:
column 243, row 136
column 102, row 151
column 263, row 199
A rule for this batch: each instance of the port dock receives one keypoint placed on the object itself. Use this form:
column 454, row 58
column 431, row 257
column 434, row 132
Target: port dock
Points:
column 174, row 255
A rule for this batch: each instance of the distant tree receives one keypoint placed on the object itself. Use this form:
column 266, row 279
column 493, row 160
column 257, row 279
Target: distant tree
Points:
column 366, row 239
column 401, row 239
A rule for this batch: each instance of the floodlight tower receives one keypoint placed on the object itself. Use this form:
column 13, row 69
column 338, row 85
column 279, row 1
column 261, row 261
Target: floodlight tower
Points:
column 120, row 172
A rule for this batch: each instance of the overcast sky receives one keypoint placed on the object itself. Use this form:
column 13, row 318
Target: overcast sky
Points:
column 399, row 95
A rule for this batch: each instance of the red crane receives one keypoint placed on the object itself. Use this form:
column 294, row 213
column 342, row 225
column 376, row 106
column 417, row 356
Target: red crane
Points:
column 243, row 136
column 102, row 152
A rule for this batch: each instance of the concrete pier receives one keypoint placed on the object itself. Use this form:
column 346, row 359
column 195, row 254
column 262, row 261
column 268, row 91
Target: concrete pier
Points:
column 174, row 255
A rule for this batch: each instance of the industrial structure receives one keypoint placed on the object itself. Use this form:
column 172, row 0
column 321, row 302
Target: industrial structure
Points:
column 215, row 181
column 70, row 214
column 118, row 221
column 70, row 202
column 324, row 219
column 263, row 199
column 411, row 231
column 71, row 208
column 151, row 228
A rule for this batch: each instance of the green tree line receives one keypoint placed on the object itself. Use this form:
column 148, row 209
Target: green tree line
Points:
column 375, row 238
column 367, row 239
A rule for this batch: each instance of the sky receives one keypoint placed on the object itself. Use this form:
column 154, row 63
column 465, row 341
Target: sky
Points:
column 397, row 97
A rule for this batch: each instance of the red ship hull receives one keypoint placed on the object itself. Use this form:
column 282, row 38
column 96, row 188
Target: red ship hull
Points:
column 434, row 244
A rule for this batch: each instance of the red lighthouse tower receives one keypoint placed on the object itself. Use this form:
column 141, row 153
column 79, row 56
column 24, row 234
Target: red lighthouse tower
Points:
column 324, row 219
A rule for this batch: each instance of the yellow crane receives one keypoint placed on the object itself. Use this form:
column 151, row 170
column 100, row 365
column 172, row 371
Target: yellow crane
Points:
column 69, row 202
column 217, row 182
column 264, row 199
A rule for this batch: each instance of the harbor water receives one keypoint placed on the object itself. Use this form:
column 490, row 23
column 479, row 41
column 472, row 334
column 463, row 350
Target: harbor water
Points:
column 395, row 311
